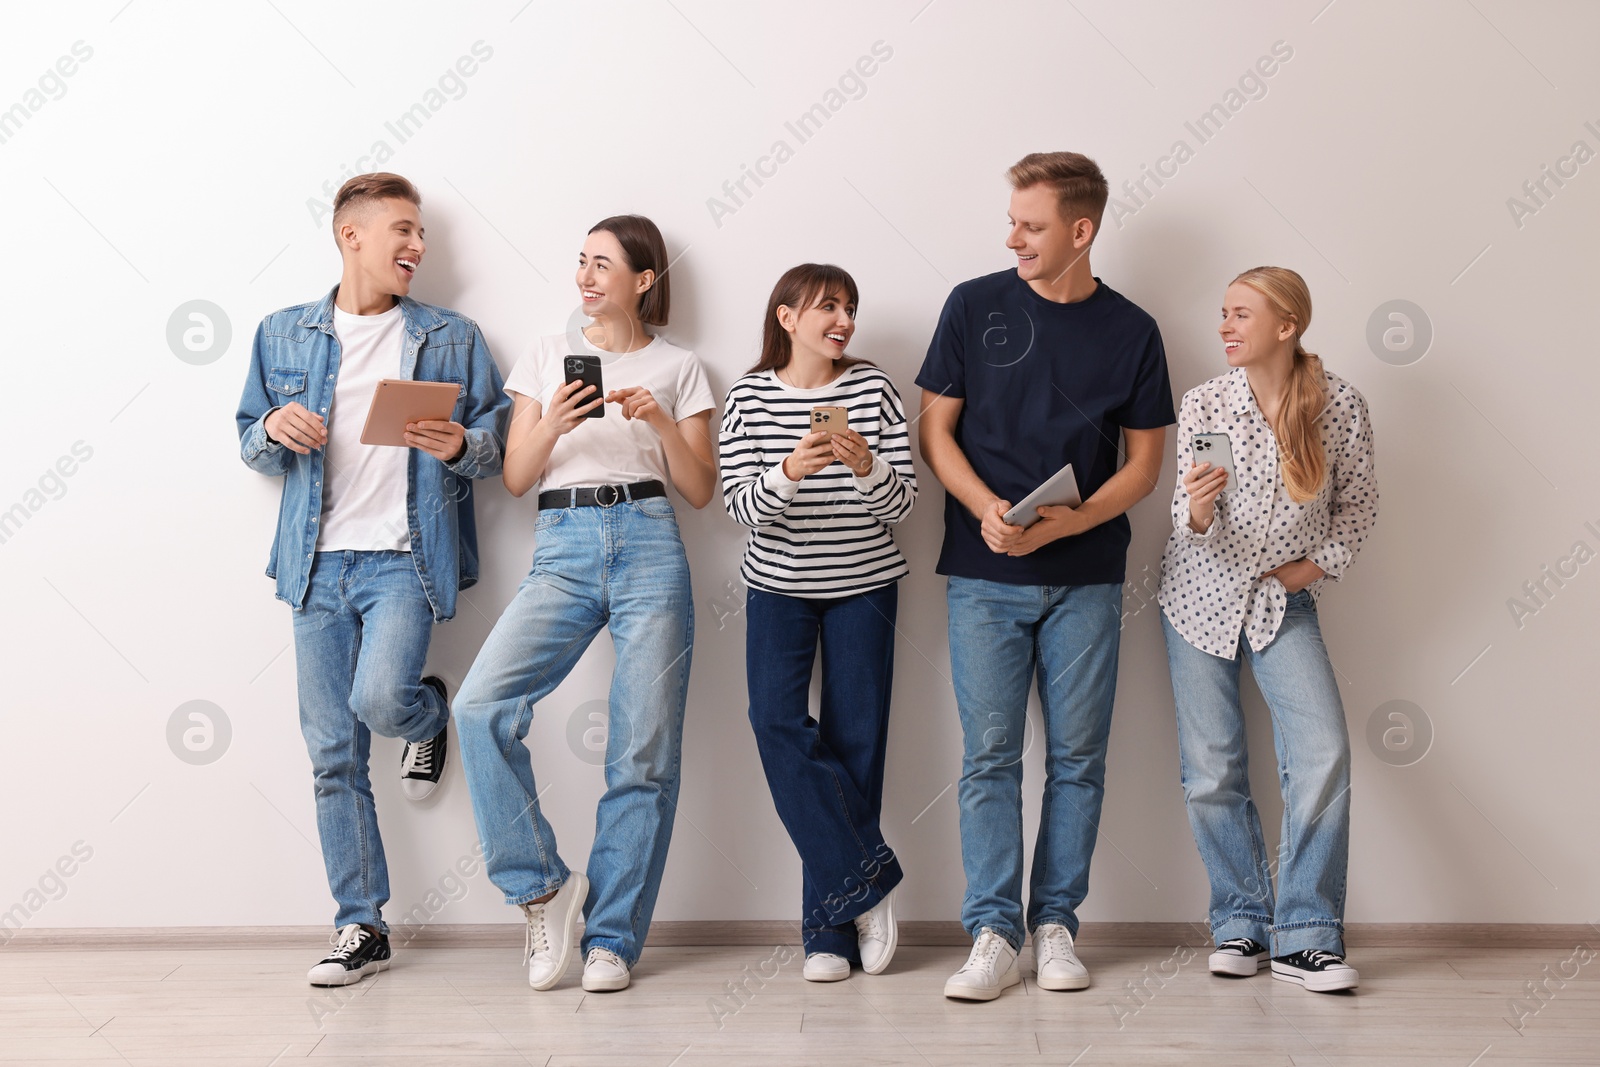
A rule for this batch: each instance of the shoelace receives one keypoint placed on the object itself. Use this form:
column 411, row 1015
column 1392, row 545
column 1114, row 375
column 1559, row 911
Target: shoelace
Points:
column 1245, row 945
column 986, row 949
column 537, row 937
column 870, row 926
column 605, row 955
column 1057, row 943
column 419, row 759
column 347, row 941
column 1320, row 958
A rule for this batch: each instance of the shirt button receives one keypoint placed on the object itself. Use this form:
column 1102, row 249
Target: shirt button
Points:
column 313, row 518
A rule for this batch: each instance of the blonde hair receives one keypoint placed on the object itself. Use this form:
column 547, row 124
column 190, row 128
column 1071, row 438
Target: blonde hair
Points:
column 1300, row 453
column 1080, row 187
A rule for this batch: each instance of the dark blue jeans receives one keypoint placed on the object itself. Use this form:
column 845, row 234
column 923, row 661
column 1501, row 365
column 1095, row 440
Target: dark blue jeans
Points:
column 826, row 777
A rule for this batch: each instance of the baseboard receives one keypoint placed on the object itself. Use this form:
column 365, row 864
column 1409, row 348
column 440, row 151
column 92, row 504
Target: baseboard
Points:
column 692, row 934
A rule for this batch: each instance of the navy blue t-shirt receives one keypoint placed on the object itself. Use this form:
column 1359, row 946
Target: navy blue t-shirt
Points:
column 1045, row 384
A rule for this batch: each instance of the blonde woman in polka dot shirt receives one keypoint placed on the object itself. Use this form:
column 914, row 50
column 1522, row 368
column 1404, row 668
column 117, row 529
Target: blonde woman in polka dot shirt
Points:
column 1239, row 580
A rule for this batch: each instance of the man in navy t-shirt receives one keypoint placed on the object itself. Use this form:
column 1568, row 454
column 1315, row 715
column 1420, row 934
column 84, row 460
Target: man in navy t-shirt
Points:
column 1031, row 369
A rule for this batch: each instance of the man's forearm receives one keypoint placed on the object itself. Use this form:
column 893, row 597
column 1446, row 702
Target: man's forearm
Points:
column 954, row 471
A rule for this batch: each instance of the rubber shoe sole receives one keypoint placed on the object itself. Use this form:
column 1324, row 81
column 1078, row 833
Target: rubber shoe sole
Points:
column 344, row 977
column 1234, row 965
column 1061, row 984
column 1316, row 981
column 967, row 992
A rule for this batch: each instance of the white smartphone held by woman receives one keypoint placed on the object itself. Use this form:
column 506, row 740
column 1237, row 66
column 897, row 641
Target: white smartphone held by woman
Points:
column 1217, row 450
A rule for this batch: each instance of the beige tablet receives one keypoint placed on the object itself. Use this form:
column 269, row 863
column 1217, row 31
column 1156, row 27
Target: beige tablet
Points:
column 397, row 401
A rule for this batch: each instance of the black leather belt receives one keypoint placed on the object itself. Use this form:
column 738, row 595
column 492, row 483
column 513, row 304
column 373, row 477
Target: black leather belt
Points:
column 600, row 496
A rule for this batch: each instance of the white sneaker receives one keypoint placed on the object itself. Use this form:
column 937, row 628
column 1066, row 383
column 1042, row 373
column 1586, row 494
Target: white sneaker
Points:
column 877, row 935
column 1055, row 963
column 1316, row 970
column 604, row 972
column 825, row 967
column 991, row 968
column 551, row 927
column 1239, row 957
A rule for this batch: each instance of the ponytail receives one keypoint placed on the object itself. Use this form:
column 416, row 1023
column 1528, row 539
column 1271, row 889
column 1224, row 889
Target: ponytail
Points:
column 1301, row 457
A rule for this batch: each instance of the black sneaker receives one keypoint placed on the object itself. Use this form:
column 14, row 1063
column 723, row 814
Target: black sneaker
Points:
column 422, row 762
column 1316, row 970
column 1238, row 956
column 357, row 952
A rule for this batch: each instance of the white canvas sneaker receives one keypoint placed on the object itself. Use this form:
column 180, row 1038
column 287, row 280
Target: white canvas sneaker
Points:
column 1055, row 962
column 990, row 969
column 551, row 928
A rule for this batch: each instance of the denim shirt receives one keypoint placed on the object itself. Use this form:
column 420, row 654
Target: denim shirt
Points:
column 295, row 358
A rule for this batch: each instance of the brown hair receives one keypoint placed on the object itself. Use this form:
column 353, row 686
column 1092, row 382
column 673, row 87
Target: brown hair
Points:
column 1081, row 189
column 800, row 288
column 365, row 188
column 642, row 243
column 1301, row 456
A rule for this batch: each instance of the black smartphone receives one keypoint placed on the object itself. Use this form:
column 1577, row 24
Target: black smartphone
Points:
column 586, row 369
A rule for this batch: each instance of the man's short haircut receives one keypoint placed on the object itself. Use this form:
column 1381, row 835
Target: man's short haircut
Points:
column 1081, row 190
column 365, row 189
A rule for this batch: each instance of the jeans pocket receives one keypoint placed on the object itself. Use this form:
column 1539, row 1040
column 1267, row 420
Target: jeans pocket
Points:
column 656, row 507
column 548, row 517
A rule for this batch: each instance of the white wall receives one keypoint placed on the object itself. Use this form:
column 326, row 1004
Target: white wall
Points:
column 178, row 164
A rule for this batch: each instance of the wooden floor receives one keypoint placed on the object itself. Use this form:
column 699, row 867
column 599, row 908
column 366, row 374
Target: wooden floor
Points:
column 472, row 1006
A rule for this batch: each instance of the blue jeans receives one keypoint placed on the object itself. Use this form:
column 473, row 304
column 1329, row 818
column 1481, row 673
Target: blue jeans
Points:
column 826, row 777
column 360, row 640
column 621, row 567
column 1313, row 744
column 1000, row 635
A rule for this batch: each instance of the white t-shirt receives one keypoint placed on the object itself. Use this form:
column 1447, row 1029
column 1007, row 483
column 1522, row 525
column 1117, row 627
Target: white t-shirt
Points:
column 363, row 486
column 612, row 450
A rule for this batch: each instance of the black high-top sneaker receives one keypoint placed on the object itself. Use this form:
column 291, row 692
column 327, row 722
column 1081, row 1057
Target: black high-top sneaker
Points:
column 1316, row 970
column 357, row 952
column 1238, row 956
column 422, row 762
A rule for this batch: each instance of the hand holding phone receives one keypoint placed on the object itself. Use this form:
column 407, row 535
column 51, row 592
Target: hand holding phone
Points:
column 586, row 369
column 828, row 419
column 1217, row 450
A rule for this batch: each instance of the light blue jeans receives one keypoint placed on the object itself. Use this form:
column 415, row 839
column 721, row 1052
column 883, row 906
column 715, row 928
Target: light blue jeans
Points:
column 621, row 567
column 1313, row 745
column 360, row 640
column 1000, row 635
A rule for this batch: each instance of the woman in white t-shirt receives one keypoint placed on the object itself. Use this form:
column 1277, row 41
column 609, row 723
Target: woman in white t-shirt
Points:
column 608, row 554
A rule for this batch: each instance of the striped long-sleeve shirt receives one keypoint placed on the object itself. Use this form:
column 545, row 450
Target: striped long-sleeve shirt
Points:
column 826, row 535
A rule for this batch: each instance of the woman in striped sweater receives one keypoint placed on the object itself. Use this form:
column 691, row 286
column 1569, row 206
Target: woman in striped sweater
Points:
column 821, row 565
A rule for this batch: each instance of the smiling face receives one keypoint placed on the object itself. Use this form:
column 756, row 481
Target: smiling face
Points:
column 824, row 328
column 1046, row 244
column 383, row 239
column 1252, row 332
column 607, row 283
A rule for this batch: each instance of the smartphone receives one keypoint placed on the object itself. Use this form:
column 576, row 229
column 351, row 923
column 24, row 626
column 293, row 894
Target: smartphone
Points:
column 1217, row 450
column 828, row 419
column 586, row 369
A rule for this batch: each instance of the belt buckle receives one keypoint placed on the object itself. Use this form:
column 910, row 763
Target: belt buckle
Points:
column 616, row 495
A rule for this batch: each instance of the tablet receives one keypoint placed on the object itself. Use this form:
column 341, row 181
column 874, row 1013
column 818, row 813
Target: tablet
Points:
column 1062, row 488
column 397, row 401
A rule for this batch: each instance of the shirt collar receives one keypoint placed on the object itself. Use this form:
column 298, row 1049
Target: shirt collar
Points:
column 1238, row 398
column 1236, row 393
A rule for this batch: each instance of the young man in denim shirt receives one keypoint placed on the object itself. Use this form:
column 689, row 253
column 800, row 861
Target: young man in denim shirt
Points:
column 373, row 542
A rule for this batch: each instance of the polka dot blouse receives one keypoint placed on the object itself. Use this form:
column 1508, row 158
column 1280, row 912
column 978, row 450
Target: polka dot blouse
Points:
column 1211, row 584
